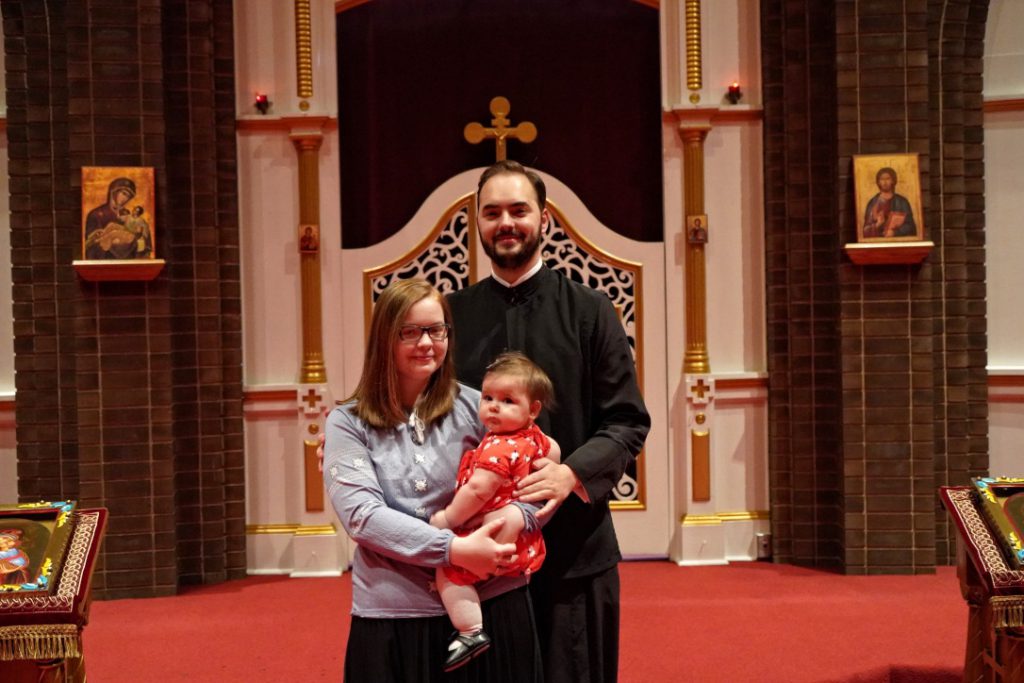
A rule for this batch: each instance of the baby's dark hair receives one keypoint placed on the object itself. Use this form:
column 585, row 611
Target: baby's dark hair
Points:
column 536, row 382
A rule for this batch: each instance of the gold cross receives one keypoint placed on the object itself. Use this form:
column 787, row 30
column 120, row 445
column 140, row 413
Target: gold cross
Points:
column 475, row 132
column 312, row 398
column 700, row 389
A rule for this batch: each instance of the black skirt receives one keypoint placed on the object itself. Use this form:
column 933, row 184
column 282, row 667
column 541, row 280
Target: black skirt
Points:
column 414, row 650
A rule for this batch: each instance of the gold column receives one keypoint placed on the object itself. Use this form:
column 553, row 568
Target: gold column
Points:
column 695, row 359
column 308, row 147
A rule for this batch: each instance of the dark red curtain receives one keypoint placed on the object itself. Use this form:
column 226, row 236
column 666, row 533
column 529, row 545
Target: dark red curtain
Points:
column 412, row 74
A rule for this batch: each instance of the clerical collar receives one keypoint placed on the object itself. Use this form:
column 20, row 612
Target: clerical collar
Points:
column 526, row 276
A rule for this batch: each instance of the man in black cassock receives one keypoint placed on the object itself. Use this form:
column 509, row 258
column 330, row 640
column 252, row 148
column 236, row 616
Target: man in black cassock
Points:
column 599, row 419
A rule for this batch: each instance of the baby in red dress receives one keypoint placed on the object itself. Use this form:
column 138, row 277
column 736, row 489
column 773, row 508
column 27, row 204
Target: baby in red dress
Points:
column 514, row 391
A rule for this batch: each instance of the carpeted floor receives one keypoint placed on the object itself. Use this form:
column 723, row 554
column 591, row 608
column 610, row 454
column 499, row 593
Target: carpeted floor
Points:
column 743, row 622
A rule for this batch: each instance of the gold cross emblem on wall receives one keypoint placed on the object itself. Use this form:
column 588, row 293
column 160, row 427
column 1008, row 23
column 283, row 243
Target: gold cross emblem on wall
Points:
column 500, row 132
column 699, row 388
column 311, row 398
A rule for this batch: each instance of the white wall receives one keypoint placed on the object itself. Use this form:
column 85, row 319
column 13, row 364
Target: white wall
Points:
column 1004, row 192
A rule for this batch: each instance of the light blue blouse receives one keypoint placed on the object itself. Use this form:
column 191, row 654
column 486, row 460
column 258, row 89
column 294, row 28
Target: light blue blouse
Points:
column 384, row 487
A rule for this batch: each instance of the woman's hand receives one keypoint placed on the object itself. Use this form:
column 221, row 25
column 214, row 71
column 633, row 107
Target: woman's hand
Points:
column 320, row 452
column 480, row 553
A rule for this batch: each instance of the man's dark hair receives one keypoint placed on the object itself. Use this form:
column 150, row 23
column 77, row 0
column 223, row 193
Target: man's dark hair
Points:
column 890, row 171
column 514, row 168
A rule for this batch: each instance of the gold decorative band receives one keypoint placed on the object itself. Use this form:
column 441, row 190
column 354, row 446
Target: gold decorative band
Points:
column 304, row 47
column 721, row 517
column 40, row 641
column 292, row 529
column 694, row 80
column 744, row 515
column 1007, row 611
column 700, row 520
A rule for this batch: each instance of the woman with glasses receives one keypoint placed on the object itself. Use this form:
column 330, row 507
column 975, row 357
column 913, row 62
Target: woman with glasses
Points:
column 390, row 460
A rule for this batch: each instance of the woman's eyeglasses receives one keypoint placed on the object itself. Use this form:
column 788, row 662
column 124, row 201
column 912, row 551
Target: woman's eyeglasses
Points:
column 413, row 333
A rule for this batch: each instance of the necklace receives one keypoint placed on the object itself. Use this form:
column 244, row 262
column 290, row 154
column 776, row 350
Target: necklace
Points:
column 417, row 428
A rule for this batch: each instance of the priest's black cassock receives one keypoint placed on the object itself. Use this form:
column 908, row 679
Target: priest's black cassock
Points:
column 573, row 333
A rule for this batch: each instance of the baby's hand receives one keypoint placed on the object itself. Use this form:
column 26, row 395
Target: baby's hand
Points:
column 439, row 520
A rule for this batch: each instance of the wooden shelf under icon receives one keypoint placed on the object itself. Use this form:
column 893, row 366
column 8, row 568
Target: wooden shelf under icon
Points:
column 119, row 269
column 888, row 253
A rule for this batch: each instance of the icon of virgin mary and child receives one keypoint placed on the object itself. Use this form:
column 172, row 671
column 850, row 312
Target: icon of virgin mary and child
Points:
column 115, row 231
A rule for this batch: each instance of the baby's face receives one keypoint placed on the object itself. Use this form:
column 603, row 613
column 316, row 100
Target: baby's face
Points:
column 504, row 405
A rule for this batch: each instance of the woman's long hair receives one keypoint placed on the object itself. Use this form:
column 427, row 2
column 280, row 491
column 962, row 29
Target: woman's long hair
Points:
column 377, row 396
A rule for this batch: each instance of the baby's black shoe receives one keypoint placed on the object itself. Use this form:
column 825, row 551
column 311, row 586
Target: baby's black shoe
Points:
column 464, row 648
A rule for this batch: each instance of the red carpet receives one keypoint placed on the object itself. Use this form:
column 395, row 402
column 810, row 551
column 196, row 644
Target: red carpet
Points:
column 743, row 622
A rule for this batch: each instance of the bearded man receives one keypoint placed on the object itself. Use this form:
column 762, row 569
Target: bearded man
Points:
column 599, row 418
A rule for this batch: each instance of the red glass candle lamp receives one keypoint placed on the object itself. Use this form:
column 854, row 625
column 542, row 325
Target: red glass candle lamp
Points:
column 734, row 94
column 262, row 102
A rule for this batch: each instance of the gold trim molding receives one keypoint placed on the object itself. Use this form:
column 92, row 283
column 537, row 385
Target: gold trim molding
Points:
column 304, row 48
column 292, row 529
column 723, row 517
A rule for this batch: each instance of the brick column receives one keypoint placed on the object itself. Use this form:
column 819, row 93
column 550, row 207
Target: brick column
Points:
column 878, row 382
column 129, row 393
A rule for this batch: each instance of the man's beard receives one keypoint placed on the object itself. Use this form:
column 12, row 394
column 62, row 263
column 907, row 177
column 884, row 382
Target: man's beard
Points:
column 514, row 259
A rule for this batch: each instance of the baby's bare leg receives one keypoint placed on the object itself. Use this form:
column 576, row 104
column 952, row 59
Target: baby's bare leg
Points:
column 461, row 602
column 514, row 523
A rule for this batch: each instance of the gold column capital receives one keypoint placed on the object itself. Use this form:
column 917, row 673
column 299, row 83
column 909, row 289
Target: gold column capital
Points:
column 307, row 141
column 693, row 120
column 690, row 131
